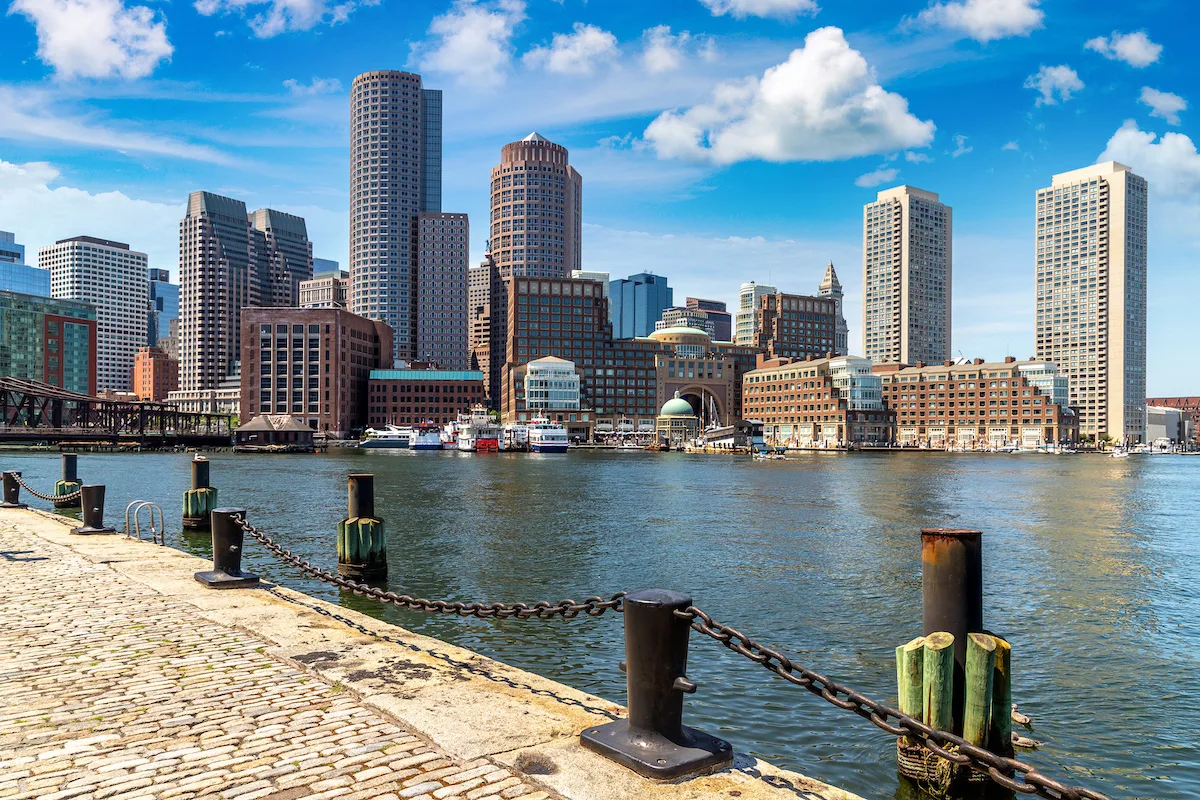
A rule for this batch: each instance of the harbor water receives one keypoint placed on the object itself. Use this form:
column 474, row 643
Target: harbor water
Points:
column 1090, row 567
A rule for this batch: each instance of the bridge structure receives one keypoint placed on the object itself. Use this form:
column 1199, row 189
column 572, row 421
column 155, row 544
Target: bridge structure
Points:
column 38, row 413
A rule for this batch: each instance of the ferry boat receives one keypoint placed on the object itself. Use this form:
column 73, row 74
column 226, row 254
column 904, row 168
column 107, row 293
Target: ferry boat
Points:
column 478, row 433
column 426, row 437
column 547, row 437
column 390, row 437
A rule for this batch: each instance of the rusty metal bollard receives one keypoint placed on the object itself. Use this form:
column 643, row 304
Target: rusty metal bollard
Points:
column 201, row 499
column 227, row 540
column 12, row 491
column 92, row 503
column 653, row 741
column 952, row 595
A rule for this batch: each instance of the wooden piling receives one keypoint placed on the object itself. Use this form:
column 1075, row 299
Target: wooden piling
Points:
column 1000, row 732
column 909, row 663
column 977, row 710
column 937, row 681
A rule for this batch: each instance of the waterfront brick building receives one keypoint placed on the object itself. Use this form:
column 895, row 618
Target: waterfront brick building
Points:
column 155, row 374
column 979, row 404
column 413, row 396
column 313, row 364
column 817, row 402
column 796, row 326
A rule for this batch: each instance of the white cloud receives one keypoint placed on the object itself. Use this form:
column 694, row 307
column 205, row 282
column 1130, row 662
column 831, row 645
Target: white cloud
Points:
column 315, row 87
column 576, row 53
column 1135, row 49
column 1171, row 164
column 985, row 20
column 877, row 177
column 1013, row 146
column 1054, row 84
column 761, row 8
column 665, row 51
column 917, row 158
column 282, row 16
column 472, row 41
column 1163, row 104
column 96, row 38
column 822, row 104
column 960, row 146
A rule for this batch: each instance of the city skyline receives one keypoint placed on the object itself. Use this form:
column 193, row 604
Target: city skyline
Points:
column 709, row 218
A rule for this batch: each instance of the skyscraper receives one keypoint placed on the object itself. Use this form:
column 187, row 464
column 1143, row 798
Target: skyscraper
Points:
column 718, row 315
column 113, row 278
column 164, row 306
column 229, row 260
column 831, row 287
column 637, row 302
column 537, row 210
column 746, row 321
column 442, row 250
column 15, row 274
column 395, row 175
column 907, row 265
column 1091, row 294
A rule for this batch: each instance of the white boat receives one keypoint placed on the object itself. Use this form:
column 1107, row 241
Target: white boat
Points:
column 477, row 432
column 391, row 437
column 426, row 437
column 449, row 436
column 516, row 437
column 1119, row 454
column 546, row 436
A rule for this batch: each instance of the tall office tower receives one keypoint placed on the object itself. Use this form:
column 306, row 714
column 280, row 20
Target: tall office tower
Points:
column 637, row 302
column 229, row 260
column 10, row 251
column 15, row 274
column 537, row 210
column 395, row 174
column 831, row 288
column 442, row 327
column 718, row 315
column 907, row 264
column 164, row 306
column 746, row 321
column 113, row 278
column 288, row 253
column 1091, row 294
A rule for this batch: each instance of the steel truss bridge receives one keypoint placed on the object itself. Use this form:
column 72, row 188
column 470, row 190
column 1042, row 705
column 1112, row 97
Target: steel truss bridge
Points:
column 35, row 412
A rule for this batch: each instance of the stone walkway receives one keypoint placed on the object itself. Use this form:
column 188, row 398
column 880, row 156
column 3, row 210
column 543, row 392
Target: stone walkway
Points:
column 111, row 690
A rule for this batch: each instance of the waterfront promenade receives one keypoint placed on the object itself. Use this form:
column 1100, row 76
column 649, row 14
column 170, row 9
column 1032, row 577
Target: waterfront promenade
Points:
column 121, row 677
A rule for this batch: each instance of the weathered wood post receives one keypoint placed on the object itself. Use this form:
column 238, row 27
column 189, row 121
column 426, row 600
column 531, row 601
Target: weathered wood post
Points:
column 1000, row 733
column 70, row 482
column 910, row 673
column 199, row 501
column 938, row 681
column 361, row 542
column 952, row 596
column 977, row 713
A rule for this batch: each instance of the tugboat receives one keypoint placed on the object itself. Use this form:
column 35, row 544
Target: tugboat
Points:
column 391, row 437
column 546, row 436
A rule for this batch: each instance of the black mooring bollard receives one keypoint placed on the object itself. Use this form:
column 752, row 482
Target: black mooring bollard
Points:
column 227, row 539
column 70, row 482
column 12, row 491
column 952, row 596
column 92, row 501
column 653, row 741
column 201, row 499
column 361, row 541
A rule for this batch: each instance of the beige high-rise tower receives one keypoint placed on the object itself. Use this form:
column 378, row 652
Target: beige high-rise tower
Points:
column 1091, row 294
column 537, row 210
column 907, row 270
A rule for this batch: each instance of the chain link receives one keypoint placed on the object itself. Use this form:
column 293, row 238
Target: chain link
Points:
column 567, row 609
column 50, row 498
column 1000, row 769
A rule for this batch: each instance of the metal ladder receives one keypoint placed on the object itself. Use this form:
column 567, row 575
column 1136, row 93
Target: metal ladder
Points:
column 158, row 535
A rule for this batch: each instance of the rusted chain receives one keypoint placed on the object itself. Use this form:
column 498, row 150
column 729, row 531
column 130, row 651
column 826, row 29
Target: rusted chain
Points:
column 50, row 498
column 1013, row 775
column 567, row 609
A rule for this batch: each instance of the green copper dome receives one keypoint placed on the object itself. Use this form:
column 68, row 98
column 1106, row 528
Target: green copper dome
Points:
column 677, row 407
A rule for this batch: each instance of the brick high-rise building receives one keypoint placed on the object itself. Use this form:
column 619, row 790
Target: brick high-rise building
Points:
column 796, row 326
column 536, row 210
column 1091, row 294
column 831, row 288
column 443, row 245
column 155, row 374
column 718, row 315
column 907, row 270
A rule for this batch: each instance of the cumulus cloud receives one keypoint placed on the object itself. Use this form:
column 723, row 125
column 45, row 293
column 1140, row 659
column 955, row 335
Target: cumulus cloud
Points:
column 917, row 158
column 1171, row 164
column 761, row 8
column 316, row 87
column 269, row 18
column 985, row 20
column 664, row 51
column 96, row 38
column 877, row 177
column 960, row 146
column 1163, row 104
column 577, row 53
column 1135, row 49
column 822, row 104
column 1011, row 146
column 472, row 41
column 1054, row 84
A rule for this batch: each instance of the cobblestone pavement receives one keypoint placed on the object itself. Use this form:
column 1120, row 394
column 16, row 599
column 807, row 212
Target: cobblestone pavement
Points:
column 110, row 690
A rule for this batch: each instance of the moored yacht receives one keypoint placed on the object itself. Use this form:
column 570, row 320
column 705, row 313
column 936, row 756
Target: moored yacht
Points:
column 388, row 437
column 546, row 436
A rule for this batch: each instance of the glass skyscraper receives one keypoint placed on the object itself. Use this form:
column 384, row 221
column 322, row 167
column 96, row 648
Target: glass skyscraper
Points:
column 15, row 274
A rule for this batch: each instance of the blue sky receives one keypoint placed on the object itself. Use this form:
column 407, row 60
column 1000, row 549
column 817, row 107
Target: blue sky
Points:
column 719, row 140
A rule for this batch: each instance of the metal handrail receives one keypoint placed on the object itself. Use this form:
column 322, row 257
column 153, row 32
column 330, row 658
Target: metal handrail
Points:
column 157, row 535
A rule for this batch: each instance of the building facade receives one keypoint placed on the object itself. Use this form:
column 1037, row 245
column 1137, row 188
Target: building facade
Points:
column 637, row 303
column 682, row 317
column 536, row 210
column 795, row 326
column 975, row 405
column 718, row 315
column 817, row 402
column 112, row 278
column 48, row 340
column 164, row 305
column 230, row 260
column 749, row 300
column 1091, row 294
column 10, row 251
column 907, row 271
column 831, row 288
column 155, row 374
column 313, row 364
column 325, row 289
column 15, row 274
column 590, row 275
column 415, row 396
column 443, row 243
